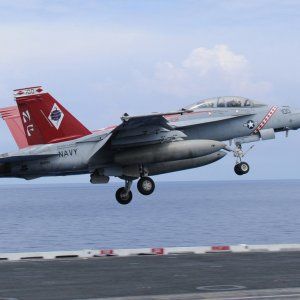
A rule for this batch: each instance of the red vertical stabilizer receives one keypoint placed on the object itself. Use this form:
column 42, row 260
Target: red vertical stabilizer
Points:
column 13, row 120
column 44, row 119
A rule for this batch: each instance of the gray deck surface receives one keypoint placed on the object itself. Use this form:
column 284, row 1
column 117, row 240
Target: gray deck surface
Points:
column 211, row 276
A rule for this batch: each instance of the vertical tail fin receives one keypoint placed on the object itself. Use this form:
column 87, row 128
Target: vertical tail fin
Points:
column 44, row 119
column 13, row 120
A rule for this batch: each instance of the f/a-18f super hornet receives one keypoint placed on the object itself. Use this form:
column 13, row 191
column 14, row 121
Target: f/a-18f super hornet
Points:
column 53, row 142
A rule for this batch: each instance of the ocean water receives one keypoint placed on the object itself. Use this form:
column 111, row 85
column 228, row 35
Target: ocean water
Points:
column 74, row 217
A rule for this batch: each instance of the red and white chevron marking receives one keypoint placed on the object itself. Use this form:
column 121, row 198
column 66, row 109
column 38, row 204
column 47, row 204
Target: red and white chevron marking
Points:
column 266, row 119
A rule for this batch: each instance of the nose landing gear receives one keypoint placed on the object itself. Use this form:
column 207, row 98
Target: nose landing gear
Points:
column 241, row 167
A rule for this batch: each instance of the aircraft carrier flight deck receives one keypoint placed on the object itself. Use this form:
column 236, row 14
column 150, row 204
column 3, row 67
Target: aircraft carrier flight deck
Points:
column 253, row 275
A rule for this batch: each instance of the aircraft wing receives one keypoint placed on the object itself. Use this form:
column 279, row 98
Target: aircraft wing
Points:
column 155, row 119
column 154, row 128
column 166, row 119
column 146, row 129
column 161, row 127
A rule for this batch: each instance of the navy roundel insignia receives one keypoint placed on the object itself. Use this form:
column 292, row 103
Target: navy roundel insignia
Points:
column 250, row 124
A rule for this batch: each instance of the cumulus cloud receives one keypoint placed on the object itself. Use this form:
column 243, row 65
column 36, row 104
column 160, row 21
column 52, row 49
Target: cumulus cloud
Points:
column 206, row 70
column 204, row 60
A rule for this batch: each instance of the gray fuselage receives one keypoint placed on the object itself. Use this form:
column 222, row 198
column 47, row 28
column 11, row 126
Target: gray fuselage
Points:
column 100, row 152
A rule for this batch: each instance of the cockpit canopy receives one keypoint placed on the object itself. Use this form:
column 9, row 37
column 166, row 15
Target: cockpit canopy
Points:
column 227, row 101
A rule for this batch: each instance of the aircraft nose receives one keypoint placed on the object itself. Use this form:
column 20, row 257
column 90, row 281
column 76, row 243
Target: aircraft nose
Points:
column 295, row 119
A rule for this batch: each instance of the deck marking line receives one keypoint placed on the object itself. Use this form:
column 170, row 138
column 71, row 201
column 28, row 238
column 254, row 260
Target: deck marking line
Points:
column 220, row 288
column 165, row 297
column 258, row 297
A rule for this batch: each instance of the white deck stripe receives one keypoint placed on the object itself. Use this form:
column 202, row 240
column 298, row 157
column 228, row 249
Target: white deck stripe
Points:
column 150, row 251
column 261, row 297
column 203, row 296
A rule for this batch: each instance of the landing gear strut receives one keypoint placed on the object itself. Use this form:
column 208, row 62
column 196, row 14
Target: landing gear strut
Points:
column 124, row 194
column 146, row 186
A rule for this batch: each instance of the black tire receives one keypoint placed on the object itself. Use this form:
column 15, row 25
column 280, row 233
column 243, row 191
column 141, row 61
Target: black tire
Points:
column 123, row 197
column 242, row 168
column 146, row 186
column 237, row 170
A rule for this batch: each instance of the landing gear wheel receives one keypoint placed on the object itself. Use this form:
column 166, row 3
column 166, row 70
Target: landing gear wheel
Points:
column 242, row 168
column 123, row 196
column 146, row 186
column 237, row 169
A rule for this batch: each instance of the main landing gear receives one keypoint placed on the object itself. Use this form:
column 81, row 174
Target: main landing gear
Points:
column 145, row 186
column 124, row 194
column 241, row 167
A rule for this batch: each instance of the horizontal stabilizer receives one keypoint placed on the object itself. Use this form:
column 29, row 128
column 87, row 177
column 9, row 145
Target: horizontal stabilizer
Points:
column 13, row 120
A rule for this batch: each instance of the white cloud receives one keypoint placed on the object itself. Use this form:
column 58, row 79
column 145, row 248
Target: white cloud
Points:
column 207, row 70
column 203, row 60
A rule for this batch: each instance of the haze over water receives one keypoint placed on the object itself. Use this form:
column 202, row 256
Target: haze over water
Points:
column 74, row 217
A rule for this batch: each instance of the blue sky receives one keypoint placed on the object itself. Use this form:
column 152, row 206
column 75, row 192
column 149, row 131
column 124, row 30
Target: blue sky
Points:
column 104, row 58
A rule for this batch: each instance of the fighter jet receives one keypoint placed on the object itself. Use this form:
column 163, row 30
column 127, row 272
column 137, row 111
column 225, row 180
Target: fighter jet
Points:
column 52, row 142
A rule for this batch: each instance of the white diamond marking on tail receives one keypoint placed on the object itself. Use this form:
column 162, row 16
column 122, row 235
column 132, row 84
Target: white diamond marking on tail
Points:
column 56, row 116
